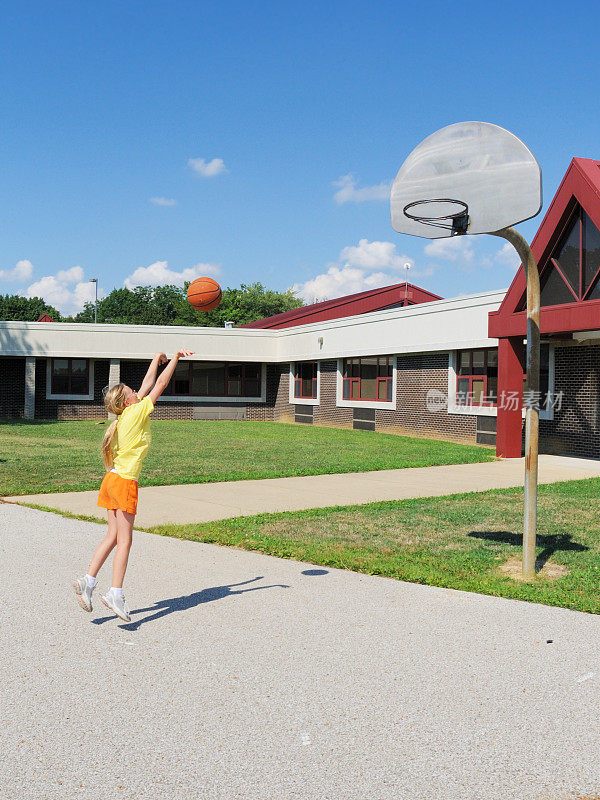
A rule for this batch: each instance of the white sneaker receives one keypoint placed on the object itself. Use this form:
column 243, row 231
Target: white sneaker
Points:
column 117, row 604
column 83, row 592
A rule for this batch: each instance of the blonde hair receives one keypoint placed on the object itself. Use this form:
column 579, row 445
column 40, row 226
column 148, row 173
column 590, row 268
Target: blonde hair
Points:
column 115, row 400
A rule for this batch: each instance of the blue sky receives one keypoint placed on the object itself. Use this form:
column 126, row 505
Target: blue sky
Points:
column 242, row 120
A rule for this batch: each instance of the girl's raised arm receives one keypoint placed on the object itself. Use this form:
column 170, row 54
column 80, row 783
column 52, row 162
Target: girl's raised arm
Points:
column 165, row 376
column 150, row 377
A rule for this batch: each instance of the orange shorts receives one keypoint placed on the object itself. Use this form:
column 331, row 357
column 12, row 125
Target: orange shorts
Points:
column 117, row 492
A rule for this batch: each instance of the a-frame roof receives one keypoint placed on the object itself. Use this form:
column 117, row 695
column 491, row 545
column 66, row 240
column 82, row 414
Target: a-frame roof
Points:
column 580, row 186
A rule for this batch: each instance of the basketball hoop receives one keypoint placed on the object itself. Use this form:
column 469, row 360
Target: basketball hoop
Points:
column 500, row 183
column 454, row 216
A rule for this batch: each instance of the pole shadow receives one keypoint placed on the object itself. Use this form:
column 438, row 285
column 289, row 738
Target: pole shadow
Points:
column 169, row 606
column 551, row 543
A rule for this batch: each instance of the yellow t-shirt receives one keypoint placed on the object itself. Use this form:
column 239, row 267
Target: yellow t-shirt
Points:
column 132, row 438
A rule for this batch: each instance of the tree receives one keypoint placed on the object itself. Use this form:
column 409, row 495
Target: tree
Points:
column 27, row 309
column 144, row 305
column 168, row 305
column 247, row 304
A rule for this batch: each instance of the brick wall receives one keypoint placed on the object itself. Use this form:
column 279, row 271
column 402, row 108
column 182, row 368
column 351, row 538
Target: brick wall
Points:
column 70, row 409
column 416, row 374
column 12, row 387
column 575, row 429
column 276, row 395
column 327, row 413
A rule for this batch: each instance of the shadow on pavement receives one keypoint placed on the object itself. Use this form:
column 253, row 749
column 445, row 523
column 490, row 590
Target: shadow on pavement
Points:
column 185, row 602
column 551, row 544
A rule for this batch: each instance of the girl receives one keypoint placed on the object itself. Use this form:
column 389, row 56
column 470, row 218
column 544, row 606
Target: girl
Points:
column 124, row 448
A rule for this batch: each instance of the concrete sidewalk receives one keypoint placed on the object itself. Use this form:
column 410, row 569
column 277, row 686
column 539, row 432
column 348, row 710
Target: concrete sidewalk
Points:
column 205, row 502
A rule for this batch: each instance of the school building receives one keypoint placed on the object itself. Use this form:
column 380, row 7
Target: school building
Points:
column 396, row 359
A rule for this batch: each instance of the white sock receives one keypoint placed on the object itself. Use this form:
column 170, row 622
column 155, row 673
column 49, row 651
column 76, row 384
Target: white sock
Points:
column 90, row 580
column 117, row 591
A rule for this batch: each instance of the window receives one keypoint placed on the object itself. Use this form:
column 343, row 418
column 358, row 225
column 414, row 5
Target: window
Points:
column 477, row 377
column 69, row 376
column 368, row 378
column 544, row 376
column 305, row 379
column 572, row 272
column 215, row 379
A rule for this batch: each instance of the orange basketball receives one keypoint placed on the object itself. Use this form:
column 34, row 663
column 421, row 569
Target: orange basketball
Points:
column 204, row 294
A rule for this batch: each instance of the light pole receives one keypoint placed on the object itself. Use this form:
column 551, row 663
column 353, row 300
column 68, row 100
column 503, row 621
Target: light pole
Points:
column 95, row 282
column 406, row 268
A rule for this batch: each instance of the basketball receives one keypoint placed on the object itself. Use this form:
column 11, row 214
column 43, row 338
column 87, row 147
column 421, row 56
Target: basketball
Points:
column 204, row 294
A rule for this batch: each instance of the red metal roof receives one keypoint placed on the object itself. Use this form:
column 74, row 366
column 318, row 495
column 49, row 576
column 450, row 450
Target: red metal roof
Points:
column 580, row 185
column 397, row 295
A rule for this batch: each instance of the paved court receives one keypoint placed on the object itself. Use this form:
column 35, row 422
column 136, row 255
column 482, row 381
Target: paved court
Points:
column 203, row 502
column 246, row 677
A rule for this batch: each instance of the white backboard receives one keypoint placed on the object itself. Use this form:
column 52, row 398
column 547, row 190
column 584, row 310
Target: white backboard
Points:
column 485, row 166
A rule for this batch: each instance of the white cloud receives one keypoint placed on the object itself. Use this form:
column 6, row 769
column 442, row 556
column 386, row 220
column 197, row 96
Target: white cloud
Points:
column 208, row 169
column 455, row 248
column 22, row 271
column 349, row 193
column 508, row 255
column 159, row 274
column 467, row 256
column 163, row 201
column 374, row 255
column 72, row 275
column 67, row 290
column 367, row 265
column 339, row 281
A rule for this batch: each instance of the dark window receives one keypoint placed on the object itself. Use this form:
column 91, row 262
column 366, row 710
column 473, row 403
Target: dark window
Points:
column 567, row 257
column 591, row 258
column 305, row 379
column 213, row 379
column 69, row 376
column 572, row 272
column 544, row 376
column 368, row 378
column 554, row 290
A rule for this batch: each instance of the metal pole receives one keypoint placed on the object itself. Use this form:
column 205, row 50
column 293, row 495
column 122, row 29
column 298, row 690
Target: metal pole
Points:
column 532, row 410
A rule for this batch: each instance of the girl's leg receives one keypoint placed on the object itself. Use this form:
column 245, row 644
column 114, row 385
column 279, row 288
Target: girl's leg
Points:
column 124, row 539
column 105, row 546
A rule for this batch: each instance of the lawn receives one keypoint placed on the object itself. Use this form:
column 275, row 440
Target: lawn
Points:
column 459, row 541
column 42, row 456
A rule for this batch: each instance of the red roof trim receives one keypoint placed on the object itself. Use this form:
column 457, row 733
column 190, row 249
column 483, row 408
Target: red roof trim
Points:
column 347, row 306
column 580, row 185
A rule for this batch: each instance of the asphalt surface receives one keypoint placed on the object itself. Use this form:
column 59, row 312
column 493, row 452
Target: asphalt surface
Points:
column 251, row 677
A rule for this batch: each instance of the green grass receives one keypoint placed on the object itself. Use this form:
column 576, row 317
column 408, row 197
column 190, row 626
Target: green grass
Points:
column 459, row 541
column 43, row 456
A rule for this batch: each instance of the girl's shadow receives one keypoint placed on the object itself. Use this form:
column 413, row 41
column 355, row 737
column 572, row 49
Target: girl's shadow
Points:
column 164, row 607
